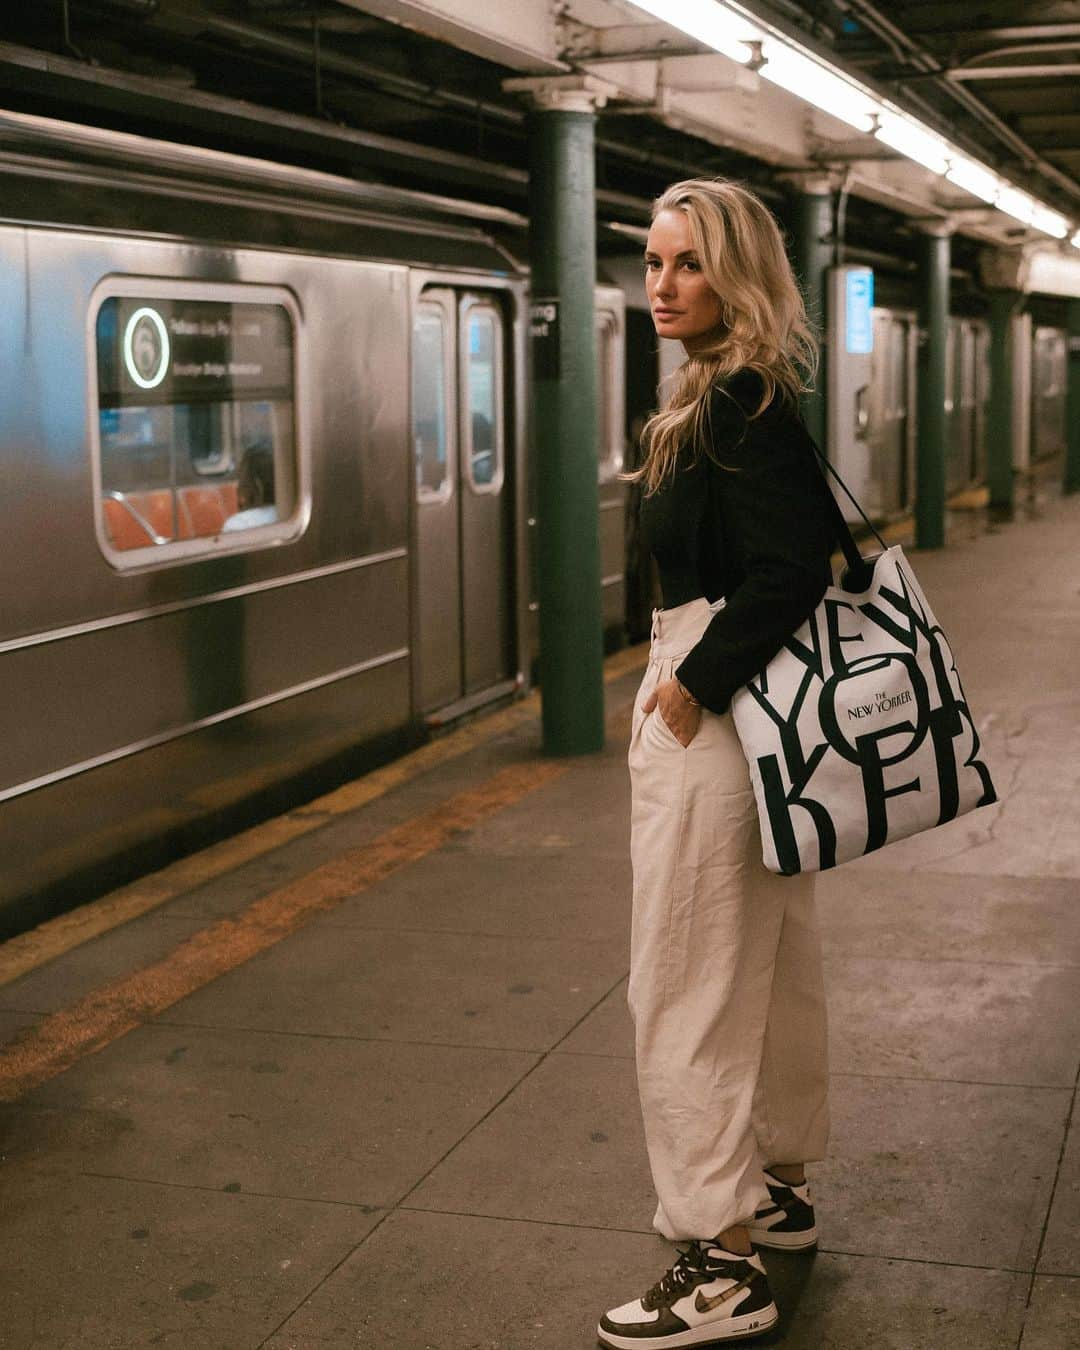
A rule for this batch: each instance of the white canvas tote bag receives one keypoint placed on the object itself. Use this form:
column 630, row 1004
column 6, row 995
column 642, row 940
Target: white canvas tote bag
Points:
column 858, row 732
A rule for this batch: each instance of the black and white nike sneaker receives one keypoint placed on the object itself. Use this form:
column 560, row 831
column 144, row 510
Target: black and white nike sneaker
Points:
column 708, row 1296
column 787, row 1222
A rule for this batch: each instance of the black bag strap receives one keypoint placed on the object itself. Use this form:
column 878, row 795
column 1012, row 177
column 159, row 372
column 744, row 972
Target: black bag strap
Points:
column 855, row 561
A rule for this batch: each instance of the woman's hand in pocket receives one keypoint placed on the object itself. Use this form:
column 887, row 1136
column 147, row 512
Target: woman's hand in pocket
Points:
column 680, row 715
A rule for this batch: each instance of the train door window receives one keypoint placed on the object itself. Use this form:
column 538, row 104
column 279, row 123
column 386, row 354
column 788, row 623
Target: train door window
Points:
column 196, row 445
column 431, row 412
column 482, row 395
column 874, row 402
column 608, row 384
column 967, row 368
column 898, row 369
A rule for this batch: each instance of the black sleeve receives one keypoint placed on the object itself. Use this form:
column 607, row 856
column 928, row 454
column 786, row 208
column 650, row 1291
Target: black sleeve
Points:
column 778, row 533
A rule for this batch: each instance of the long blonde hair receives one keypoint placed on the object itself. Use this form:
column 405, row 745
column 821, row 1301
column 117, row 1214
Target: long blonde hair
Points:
column 763, row 319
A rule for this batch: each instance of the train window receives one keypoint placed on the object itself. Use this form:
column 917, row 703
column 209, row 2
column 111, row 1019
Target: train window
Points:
column 483, row 381
column 608, row 384
column 430, row 417
column 196, row 427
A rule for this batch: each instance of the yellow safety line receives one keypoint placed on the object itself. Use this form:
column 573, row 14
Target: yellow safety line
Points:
column 21, row 954
column 970, row 499
column 106, row 1013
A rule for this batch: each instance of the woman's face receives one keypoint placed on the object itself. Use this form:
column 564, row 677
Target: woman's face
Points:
column 684, row 305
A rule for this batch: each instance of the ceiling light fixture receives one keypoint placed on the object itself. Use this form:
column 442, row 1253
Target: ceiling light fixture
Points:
column 973, row 178
column 715, row 25
column 817, row 84
column 1015, row 203
column 1050, row 222
column 735, row 34
column 910, row 139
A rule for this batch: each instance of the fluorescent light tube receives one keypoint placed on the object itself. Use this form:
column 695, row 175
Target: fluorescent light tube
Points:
column 818, row 85
column 1050, row 222
column 1015, row 203
column 708, row 22
column 914, row 141
column 731, row 34
column 973, row 178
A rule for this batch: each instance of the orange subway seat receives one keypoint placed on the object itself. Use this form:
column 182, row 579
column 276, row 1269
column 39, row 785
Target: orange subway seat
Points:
column 150, row 513
column 205, row 508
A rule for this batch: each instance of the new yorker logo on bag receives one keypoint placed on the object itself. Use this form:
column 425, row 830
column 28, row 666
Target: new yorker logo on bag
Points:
column 858, row 732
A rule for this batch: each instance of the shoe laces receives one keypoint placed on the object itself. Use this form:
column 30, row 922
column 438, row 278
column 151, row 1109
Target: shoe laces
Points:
column 693, row 1263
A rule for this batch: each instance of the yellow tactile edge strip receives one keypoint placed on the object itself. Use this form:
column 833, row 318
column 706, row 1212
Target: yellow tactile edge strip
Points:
column 111, row 1011
column 51, row 939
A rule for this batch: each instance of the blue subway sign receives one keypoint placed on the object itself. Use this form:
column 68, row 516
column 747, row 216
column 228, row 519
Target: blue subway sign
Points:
column 859, row 300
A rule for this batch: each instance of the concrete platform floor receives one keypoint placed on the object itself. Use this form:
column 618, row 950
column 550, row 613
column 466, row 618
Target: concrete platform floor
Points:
column 412, row 1124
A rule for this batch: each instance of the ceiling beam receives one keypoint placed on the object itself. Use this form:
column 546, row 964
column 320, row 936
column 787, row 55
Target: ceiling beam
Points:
column 1019, row 72
column 968, row 41
column 625, row 42
column 330, row 61
column 1027, row 32
column 1045, row 124
column 30, row 71
column 515, row 33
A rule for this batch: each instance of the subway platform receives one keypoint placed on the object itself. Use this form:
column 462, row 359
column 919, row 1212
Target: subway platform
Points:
column 362, row 1077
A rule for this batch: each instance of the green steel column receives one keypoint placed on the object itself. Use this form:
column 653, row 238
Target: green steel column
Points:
column 930, row 457
column 1071, row 482
column 813, row 254
column 562, row 251
column 1004, row 304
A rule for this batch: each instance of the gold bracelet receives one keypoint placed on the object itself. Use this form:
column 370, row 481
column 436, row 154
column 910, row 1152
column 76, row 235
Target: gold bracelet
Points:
column 694, row 702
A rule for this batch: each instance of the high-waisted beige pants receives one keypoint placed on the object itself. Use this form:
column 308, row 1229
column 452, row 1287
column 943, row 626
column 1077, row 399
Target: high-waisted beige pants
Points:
column 725, row 969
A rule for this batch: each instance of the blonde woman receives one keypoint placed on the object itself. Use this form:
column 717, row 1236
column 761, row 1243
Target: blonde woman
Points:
column 725, row 977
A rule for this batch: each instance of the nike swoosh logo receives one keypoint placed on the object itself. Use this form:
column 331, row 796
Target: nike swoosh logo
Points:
column 704, row 1304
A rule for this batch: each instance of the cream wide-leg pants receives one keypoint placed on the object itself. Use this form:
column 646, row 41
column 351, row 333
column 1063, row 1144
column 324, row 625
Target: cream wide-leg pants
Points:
column 725, row 988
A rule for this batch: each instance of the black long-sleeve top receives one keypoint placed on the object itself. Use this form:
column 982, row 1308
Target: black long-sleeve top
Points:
column 758, row 532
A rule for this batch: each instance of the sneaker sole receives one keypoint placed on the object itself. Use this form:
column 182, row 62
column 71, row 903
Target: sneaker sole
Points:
column 784, row 1242
column 733, row 1329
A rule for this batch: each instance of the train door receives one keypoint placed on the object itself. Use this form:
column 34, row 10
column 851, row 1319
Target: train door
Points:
column 1049, row 379
column 954, row 477
column 902, row 384
column 965, row 405
column 982, row 400
column 873, row 427
column 610, row 454
column 611, row 445
column 464, row 583
column 1021, row 338
column 887, row 405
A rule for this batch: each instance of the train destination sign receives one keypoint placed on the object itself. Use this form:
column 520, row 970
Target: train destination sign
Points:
column 160, row 351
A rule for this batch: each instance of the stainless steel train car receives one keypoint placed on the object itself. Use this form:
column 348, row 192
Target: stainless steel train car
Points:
column 889, row 429
column 263, row 440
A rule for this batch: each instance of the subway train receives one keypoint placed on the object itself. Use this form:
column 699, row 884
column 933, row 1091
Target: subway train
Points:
column 267, row 509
